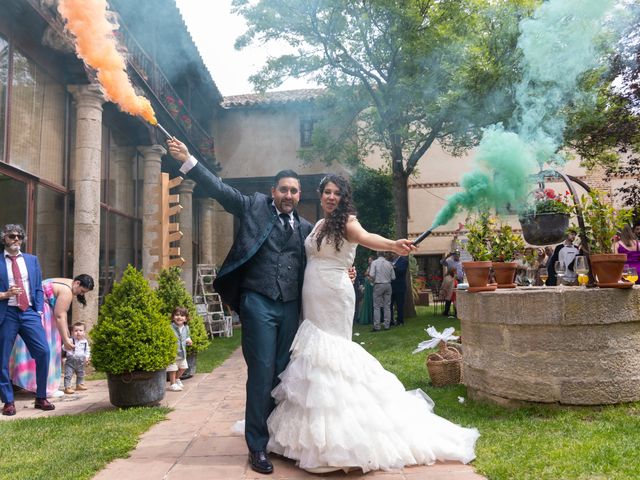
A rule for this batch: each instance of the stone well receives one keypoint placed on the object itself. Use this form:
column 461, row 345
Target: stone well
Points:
column 567, row 345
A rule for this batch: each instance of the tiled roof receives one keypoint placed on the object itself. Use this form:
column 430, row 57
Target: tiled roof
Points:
column 272, row 98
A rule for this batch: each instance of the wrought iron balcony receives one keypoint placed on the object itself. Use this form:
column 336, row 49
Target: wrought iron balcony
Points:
column 165, row 94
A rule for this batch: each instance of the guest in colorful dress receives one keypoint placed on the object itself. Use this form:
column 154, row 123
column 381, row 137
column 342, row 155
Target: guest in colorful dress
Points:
column 58, row 295
column 630, row 245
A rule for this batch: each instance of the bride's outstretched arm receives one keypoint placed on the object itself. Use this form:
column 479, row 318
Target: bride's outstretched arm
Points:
column 356, row 234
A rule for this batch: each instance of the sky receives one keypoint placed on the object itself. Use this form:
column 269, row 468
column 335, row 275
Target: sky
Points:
column 214, row 30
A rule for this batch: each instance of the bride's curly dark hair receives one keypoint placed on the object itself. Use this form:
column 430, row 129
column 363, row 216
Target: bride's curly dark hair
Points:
column 334, row 226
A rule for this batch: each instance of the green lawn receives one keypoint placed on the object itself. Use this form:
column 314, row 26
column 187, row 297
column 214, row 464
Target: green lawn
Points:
column 527, row 443
column 78, row 446
column 71, row 447
column 219, row 350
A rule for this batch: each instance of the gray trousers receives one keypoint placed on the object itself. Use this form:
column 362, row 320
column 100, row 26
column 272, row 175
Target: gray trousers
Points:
column 73, row 365
column 381, row 299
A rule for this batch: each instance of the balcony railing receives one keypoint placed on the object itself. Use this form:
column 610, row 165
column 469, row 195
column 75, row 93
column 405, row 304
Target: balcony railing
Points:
column 158, row 83
column 149, row 72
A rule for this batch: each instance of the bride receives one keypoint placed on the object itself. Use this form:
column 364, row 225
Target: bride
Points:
column 336, row 406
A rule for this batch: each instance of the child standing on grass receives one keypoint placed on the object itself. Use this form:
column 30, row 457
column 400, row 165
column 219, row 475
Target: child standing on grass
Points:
column 179, row 320
column 76, row 359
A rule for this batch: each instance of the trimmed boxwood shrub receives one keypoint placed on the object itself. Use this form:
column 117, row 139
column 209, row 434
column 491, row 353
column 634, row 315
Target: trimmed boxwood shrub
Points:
column 132, row 334
column 172, row 293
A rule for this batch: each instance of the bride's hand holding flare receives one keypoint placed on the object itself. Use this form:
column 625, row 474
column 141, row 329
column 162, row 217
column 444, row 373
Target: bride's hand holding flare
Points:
column 404, row 247
column 357, row 234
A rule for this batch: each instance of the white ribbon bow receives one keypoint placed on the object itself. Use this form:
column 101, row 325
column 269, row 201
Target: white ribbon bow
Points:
column 436, row 338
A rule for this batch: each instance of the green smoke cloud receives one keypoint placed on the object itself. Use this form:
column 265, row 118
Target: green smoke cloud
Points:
column 559, row 44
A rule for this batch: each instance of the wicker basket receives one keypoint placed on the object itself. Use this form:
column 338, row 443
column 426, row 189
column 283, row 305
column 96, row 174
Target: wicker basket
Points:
column 444, row 366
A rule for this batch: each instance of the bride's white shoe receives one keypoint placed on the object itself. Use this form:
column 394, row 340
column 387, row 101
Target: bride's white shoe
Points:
column 328, row 469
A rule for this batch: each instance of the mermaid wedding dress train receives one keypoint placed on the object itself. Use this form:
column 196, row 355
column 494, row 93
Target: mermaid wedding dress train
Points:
column 336, row 406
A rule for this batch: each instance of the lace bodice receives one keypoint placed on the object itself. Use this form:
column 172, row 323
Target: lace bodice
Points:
column 328, row 297
column 342, row 259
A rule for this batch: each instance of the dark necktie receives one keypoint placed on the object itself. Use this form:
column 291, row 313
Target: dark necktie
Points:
column 287, row 224
column 23, row 300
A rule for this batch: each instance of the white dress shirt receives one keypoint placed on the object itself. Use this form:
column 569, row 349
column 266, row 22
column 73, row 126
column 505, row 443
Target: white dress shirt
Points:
column 13, row 301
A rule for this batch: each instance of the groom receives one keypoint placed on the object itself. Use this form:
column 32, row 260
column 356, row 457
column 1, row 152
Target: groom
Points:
column 261, row 279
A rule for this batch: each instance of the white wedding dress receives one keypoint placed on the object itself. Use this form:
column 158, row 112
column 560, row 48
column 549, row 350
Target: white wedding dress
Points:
column 336, row 405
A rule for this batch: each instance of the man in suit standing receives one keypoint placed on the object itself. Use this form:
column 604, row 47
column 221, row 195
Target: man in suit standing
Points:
column 399, row 288
column 21, row 305
column 261, row 279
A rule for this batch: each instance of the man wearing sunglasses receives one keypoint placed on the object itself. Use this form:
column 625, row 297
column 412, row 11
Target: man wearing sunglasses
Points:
column 21, row 304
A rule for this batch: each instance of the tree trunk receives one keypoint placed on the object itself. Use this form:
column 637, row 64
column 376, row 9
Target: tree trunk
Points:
column 409, row 305
column 401, row 199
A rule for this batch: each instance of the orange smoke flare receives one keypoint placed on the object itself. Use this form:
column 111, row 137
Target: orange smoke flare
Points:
column 96, row 46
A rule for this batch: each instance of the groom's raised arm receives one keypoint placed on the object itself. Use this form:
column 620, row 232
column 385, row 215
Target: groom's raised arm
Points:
column 231, row 199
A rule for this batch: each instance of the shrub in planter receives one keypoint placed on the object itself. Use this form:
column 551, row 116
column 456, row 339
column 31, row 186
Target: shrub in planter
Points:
column 172, row 293
column 132, row 336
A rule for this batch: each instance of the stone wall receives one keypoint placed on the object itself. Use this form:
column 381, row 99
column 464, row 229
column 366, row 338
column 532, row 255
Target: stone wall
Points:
column 567, row 345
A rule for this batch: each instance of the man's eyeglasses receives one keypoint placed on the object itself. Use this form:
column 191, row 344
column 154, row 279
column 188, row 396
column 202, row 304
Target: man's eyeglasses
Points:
column 14, row 236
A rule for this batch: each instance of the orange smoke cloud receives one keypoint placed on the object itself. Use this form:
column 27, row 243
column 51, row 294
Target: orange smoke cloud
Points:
column 96, row 46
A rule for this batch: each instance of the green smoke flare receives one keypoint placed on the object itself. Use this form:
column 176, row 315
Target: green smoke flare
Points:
column 558, row 45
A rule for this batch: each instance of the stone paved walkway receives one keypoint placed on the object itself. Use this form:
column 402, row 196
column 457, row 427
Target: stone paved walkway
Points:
column 196, row 441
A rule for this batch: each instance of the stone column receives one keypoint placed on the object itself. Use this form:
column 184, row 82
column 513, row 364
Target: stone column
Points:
column 86, row 232
column 122, row 198
column 185, row 219
column 206, row 230
column 151, row 210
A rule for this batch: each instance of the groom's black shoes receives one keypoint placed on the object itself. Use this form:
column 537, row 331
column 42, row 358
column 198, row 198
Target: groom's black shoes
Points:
column 260, row 462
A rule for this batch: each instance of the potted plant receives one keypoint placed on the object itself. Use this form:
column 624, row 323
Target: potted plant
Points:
column 602, row 223
column 480, row 236
column 506, row 243
column 545, row 220
column 133, row 342
column 172, row 293
column 207, row 283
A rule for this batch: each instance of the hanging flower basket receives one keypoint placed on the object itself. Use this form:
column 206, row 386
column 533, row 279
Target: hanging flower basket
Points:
column 544, row 228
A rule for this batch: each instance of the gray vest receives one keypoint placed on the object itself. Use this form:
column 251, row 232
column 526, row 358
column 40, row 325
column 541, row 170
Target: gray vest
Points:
column 274, row 269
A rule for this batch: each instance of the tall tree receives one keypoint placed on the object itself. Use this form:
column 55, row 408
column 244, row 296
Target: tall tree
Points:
column 606, row 131
column 402, row 75
column 372, row 196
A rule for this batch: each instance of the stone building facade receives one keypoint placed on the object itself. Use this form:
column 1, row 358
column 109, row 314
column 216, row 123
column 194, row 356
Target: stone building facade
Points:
column 258, row 134
column 82, row 176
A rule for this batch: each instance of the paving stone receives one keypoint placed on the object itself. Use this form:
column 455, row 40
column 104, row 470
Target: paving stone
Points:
column 196, row 441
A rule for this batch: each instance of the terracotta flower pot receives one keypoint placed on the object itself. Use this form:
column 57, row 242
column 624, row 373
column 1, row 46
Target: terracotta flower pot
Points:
column 607, row 268
column 505, row 274
column 478, row 276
